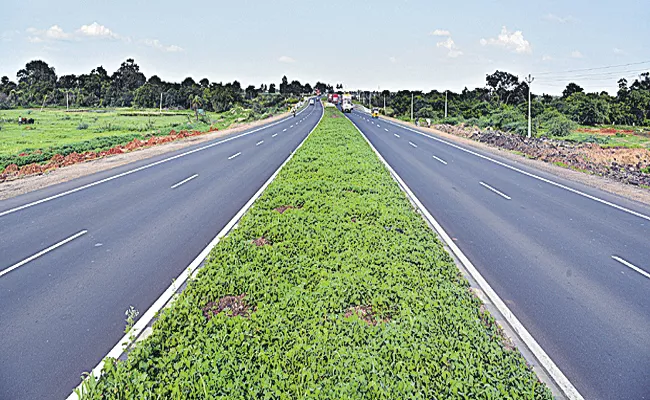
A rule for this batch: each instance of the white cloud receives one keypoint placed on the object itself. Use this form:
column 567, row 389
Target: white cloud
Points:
column 56, row 33
column 286, row 59
column 155, row 43
column 34, row 39
column 576, row 54
column 450, row 45
column 560, row 20
column 97, row 30
column 441, row 32
column 546, row 57
column 392, row 59
column 510, row 40
column 619, row 51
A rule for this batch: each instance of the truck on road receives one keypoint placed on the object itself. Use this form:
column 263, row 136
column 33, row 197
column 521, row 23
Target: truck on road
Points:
column 346, row 105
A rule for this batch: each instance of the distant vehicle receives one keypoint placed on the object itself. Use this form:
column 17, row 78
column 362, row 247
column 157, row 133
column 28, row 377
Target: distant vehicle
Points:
column 346, row 105
column 311, row 102
column 375, row 112
column 335, row 98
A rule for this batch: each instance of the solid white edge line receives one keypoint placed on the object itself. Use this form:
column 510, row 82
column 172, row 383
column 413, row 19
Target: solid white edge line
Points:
column 259, row 143
column 234, row 155
column 147, row 166
column 547, row 363
column 632, row 266
column 184, row 181
column 485, row 185
column 42, row 252
column 413, row 144
column 440, row 159
column 190, row 271
column 557, row 184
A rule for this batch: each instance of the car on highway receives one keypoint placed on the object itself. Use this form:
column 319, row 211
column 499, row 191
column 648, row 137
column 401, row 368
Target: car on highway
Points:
column 311, row 102
column 375, row 112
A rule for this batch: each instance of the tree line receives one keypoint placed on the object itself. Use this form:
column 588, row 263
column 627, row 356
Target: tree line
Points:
column 503, row 104
column 38, row 85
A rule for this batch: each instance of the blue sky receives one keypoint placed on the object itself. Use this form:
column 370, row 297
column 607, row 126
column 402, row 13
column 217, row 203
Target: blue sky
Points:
column 400, row 44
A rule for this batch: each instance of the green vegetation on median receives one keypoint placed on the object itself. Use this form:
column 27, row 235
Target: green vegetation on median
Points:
column 332, row 287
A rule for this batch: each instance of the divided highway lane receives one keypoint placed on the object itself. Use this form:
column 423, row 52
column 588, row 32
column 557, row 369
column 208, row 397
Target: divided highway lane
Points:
column 72, row 265
column 575, row 271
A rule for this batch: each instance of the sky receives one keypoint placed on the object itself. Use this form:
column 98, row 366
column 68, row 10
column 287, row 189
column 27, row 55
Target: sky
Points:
column 399, row 44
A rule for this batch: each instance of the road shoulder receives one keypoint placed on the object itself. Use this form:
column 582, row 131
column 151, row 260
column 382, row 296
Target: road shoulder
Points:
column 594, row 181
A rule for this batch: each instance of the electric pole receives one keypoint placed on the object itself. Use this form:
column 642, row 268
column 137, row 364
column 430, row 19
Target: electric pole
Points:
column 161, row 102
column 446, row 91
column 411, row 106
column 67, row 100
column 529, row 80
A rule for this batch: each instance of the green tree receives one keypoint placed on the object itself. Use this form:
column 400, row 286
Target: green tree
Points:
column 195, row 103
column 570, row 89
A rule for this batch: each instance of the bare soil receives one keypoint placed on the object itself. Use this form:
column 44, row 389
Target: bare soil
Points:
column 30, row 183
column 365, row 314
column 234, row 306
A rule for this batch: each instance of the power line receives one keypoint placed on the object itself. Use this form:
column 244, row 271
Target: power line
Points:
column 598, row 74
column 592, row 69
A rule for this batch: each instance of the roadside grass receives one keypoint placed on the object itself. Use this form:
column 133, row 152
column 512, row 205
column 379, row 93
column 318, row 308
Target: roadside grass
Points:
column 99, row 130
column 331, row 287
column 617, row 140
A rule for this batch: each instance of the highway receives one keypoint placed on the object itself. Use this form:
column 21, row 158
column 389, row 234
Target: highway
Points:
column 571, row 262
column 75, row 256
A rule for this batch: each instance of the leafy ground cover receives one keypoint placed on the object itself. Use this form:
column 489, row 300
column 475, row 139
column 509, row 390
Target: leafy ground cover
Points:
column 60, row 132
column 332, row 287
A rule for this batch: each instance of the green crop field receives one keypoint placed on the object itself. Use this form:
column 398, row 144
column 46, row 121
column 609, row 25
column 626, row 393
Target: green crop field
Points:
column 61, row 132
column 332, row 287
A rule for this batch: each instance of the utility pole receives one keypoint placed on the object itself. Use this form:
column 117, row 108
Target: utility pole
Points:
column 67, row 100
column 446, row 92
column 529, row 80
column 161, row 102
column 411, row 106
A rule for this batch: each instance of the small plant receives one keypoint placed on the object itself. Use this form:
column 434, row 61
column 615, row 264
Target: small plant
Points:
column 131, row 315
column 82, row 126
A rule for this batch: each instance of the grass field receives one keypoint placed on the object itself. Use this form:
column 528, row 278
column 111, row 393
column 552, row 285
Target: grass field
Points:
column 59, row 128
column 606, row 138
column 331, row 287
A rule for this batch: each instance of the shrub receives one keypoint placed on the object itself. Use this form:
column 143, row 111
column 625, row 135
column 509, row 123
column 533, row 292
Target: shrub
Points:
column 82, row 126
column 560, row 126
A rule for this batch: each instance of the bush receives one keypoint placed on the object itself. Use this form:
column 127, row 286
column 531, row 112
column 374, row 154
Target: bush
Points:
column 560, row 126
column 82, row 126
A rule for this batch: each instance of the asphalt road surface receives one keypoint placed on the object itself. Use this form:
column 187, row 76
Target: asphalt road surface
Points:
column 71, row 266
column 547, row 251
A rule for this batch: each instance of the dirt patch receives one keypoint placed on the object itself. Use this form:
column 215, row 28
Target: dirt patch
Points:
column 261, row 241
column 232, row 306
column 282, row 209
column 365, row 314
column 50, row 176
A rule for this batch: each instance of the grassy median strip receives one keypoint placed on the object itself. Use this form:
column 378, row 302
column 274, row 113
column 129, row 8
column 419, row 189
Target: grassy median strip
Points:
column 332, row 287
